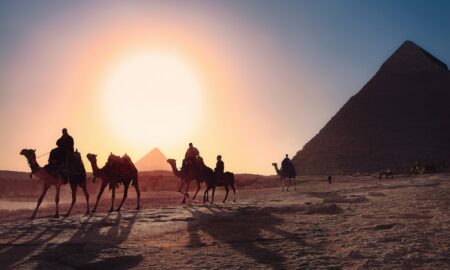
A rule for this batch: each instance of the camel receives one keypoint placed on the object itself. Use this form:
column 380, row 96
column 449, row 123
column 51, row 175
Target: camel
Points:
column 117, row 170
column 186, row 178
column 56, row 180
column 290, row 175
column 386, row 173
column 212, row 182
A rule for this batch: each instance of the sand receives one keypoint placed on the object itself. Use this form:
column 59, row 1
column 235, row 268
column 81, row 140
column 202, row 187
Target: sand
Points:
column 354, row 223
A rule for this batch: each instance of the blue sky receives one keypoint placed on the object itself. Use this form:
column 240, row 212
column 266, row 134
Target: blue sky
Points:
column 293, row 63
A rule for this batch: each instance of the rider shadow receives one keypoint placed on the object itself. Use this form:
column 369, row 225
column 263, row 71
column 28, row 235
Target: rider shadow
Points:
column 94, row 245
column 17, row 248
column 250, row 231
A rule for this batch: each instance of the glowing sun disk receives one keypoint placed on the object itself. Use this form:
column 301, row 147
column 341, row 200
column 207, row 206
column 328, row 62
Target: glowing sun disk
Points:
column 151, row 98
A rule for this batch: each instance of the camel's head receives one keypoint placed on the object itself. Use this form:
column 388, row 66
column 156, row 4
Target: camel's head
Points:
column 29, row 153
column 171, row 161
column 91, row 157
column 274, row 164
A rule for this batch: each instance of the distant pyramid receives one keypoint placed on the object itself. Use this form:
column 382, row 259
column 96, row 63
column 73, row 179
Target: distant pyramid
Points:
column 153, row 160
column 401, row 115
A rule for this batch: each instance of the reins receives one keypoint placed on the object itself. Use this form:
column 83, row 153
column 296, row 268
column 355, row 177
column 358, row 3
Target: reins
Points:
column 42, row 155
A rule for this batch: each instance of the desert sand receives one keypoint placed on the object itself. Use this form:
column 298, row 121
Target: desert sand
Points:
column 357, row 222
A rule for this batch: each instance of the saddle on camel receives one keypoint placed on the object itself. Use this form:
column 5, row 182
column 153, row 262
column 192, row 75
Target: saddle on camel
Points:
column 117, row 170
column 122, row 166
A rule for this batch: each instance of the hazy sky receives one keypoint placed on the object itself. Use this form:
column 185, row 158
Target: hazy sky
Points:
column 269, row 74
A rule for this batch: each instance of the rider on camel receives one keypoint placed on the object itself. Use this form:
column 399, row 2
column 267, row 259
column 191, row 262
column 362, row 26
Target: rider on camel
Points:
column 220, row 168
column 61, row 154
column 189, row 158
column 285, row 163
column 65, row 143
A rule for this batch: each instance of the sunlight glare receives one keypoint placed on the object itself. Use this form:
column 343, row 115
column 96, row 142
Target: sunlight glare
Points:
column 152, row 98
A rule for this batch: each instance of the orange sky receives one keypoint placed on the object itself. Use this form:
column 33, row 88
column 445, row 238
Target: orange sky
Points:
column 269, row 76
column 60, row 70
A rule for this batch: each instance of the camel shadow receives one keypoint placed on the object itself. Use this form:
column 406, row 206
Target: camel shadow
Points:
column 24, row 239
column 93, row 243
column 253, row 232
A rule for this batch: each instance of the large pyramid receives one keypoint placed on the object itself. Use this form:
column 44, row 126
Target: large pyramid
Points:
column 152, row 161
column 401, row 115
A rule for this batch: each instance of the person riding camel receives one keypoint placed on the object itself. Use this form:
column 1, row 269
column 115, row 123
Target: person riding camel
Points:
column 65, row 143
column 60, row 157
column 191, row 152
column 189, row 158
column 285, row 163
column 220, row 168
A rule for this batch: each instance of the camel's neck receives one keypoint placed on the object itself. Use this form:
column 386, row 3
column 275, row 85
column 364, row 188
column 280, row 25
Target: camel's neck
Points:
column 33, row 165
column 276, row 169
column 175, row 171
column 95, row 169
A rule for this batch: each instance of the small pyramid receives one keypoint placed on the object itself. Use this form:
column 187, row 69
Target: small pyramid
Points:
column 400, row 116
column 152, row 161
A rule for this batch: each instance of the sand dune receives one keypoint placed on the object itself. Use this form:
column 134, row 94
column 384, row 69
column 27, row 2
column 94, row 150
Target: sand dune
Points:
column 355, row 223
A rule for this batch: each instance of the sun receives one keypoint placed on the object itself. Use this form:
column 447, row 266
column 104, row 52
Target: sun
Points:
column 151, row 98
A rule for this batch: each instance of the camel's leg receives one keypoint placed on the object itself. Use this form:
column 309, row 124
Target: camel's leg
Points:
column 125, row 195
column 198, row 189
column 295, row 184
column 205, row 195
column 58, row 189
column 138, row 194
column 113, row 197
column 282, row 182
column 212, row 196
column 74, row 198
column 233, row 186
column 102, row 188
column 226, row 193
column 186, row 193
column 44, row 191
column 86, row 194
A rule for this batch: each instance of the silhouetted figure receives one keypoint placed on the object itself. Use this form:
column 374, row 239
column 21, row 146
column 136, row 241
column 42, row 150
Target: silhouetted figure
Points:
column 65, row 143
column 60, row 157
column 219, row 178
column 191, row 152
column 189, row 158
column 285, row 163
column 329, row 179
column 387, row 173
column 220, row 168
column 117, row 170
column 78, row 178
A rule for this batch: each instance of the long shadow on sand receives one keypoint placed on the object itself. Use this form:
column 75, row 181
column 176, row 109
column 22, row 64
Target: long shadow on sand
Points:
column 254, row 232
column 92, row 243
column 22, row 240
column 95, row 245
